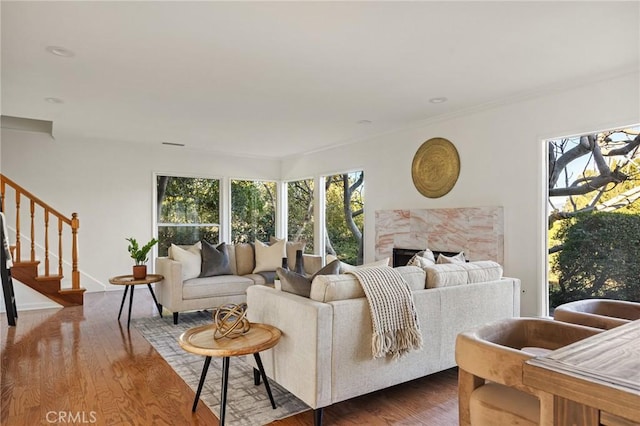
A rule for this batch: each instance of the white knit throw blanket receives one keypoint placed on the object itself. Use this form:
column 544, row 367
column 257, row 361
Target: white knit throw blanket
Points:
column 396, row 329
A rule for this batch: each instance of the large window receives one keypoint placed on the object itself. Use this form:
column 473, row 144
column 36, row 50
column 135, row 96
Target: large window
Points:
column 253, row 210
column 300, row 212
column 594, row 216
column 188, row 210
column 344, row 216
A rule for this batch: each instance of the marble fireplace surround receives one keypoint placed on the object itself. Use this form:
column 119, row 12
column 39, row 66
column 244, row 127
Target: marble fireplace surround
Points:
column 478, row 231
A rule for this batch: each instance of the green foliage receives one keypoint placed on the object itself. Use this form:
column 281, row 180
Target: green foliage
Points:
column 346, row 245
column 184, row 201
column 253, row 210
column 187, row 200
column 190, row 200
column 185, row 235
column 140, row 254
column 594, row 256
column 300, row 208
column 341, row 238
column 599, row 259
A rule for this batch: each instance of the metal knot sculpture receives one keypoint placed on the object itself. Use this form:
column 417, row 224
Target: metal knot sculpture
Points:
column 230, row 321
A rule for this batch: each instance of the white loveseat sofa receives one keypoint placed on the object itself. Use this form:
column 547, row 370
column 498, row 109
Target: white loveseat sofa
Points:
column 325, row 356
column 179, row 292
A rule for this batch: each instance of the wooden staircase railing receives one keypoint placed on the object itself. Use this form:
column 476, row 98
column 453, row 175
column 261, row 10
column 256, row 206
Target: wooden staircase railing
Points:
column 47, row 282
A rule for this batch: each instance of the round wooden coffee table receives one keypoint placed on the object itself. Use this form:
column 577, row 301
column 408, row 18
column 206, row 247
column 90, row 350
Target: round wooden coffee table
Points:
column 199, row 340
column 129, row 281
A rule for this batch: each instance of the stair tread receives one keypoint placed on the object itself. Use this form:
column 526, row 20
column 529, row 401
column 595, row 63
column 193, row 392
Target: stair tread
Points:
column 48, row 277
column 72, row 290
column 18, row 263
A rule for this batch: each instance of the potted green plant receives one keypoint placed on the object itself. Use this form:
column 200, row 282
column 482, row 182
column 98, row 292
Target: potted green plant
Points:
column 141, row 256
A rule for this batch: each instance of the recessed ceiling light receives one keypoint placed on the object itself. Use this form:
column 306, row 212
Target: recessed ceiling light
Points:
column 172, row 144
column 439, row 100
column 54, row 100
column 60, row 51
column 364, row 122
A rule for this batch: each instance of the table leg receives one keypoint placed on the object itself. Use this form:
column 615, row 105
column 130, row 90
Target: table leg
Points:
column 264, row 378
column 225, row 380
column 256, row 377
column 207, row 361
column 130, row 304
column 155, row 300
column 568, row 412
column 124, row 296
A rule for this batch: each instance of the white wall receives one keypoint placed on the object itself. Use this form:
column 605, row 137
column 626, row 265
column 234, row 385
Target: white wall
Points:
column 110, row 185
column 502, row 164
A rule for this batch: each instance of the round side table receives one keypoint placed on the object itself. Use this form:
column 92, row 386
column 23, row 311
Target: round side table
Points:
column 199, row 340
column 129, row 282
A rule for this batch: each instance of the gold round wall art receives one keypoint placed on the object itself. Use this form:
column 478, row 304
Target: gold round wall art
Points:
column 435, row 168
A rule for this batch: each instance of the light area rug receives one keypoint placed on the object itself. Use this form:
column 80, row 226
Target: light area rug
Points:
column 247, row 404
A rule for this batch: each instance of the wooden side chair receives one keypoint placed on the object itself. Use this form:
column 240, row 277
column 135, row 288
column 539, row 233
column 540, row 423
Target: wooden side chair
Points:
column 598, row 313
column 490, row 361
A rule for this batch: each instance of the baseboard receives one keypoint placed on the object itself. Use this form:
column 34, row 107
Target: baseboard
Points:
column 32, row 306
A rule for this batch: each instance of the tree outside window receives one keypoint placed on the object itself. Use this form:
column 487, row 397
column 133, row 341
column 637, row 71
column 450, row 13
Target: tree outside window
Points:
column 344, row 216
column 188, row 210
column 253, row 210
column 594, row 216
column 300, row 212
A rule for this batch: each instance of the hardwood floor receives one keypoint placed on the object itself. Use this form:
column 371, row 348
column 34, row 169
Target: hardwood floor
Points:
column 79, row 365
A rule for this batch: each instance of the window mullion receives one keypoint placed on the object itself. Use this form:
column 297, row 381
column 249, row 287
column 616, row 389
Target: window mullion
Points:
column 225, row 211
column 319, row 212
column 282, row 207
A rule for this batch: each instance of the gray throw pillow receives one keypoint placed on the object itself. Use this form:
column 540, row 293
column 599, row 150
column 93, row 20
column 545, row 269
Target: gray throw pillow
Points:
column 215, row 260
column 295, row 283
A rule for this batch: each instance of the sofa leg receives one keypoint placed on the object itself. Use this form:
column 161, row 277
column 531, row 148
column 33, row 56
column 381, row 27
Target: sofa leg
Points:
column 317, row 417
column 175, row 318
column 256, row 377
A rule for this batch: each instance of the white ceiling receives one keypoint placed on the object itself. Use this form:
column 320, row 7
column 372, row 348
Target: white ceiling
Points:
column 277, row 79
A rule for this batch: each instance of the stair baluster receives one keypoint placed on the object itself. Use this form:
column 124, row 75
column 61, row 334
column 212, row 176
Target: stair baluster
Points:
column 18, row 251
column 46, row 241
column 59, row 246
column 33, row 230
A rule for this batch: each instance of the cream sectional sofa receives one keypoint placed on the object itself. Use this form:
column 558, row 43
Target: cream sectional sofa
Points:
column 325, row 356
column 178, row 294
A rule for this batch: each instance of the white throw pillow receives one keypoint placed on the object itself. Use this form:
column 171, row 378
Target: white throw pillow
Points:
column 458, row 258
column 291, row 247
column 191, row 260
column 345, row 267
column 421, row 262
column 428, row 254
column 269, row 257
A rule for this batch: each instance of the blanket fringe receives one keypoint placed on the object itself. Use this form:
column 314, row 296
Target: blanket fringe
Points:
column 396, row 342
